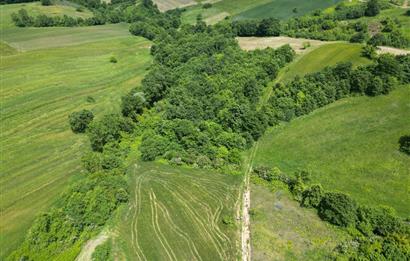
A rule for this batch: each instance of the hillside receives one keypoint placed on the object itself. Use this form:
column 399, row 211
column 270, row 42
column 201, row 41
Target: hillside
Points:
column 348, row 146
column 41, row 155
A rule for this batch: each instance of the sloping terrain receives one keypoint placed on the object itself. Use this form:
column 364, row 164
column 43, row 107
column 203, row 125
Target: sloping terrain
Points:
column 40, row 154
column 179, row 214
column 349, row 146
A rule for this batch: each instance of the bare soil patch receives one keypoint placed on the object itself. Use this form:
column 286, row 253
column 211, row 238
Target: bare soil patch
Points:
column 392, row 50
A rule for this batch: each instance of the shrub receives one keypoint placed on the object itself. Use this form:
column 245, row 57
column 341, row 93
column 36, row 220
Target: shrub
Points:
column 207, row 5
column 132, row 104
column 338, row 209
column 263, row 172
column 359, row 37
column 404, row 142
column 369, row 51
column 102, row 252
column 372, row 8
column 79, row 120
column 113, row 59
column 312, row 196
column 46, row 2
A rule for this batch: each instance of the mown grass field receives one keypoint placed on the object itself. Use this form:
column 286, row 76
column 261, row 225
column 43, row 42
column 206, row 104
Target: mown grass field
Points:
column 178, row 214
column 282, row 230
column 39, row 89
column 244, row 9
column 349, row 146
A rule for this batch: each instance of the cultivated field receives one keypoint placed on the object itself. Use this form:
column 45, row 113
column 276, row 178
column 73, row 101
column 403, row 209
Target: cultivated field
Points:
column 244, row 9
column 349, row 146
column 40, row 88
column 179, row 214
column 282, row 230
column 164, row 5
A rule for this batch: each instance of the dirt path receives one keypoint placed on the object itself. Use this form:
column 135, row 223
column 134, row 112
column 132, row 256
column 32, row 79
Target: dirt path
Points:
column 392, row 50
column 88, row 249
column 246, row 205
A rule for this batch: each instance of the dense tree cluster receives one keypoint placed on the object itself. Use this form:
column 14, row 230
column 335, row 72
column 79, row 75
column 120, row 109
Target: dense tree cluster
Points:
column 378, row 233
column 207, row 90
column 79, row 120
column 264, row 27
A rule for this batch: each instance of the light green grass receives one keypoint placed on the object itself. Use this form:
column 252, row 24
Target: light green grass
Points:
column 25, row 39
column 350, row 146
column 282, row 230
column 176, row 214
column 283, row 9
column 39, row 89
column 6, row 49
column 36, row 8
column 325, row 55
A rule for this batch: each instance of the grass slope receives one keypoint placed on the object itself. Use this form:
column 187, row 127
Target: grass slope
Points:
column 176, row 214
column 39, row 90
column 326, row 55
column 25, row 39
column 284, row 9
column 282, row 230
column 350, row 146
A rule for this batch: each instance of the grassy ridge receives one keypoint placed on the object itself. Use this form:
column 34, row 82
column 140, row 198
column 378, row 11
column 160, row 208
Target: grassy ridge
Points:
column 40, row 89
column 284, row 9
column 350, row 146
column 279, row 232
column 177, row 214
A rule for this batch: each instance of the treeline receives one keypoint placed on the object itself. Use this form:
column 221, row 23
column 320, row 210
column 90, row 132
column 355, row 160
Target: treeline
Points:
column 331, row 26
column 377, row 232
column 115, row 12
column 303, row 95
column 206, row 91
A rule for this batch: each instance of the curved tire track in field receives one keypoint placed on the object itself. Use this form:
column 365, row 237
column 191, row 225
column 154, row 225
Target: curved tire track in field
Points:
column 134, row 224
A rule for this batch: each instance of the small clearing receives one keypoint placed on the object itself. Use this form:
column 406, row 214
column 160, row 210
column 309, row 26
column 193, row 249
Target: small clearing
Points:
column 252, row 43
column 88, row 249
column 392, row 50
column 165, row 5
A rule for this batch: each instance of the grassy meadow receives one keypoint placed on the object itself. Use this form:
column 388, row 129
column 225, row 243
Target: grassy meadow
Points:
column 349, row 146
column 282, row 230
column 178, row 214
column 40, row 88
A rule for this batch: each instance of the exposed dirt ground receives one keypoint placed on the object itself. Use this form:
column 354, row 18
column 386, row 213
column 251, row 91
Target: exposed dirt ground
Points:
column 88, row 249
column 392, row 50
column 252, row 43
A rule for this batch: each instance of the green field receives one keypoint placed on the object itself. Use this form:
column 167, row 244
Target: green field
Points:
column 326, row 55
column 245, row 9
column 178, row 214
column 282, row 230
column 284, row 9
column 349, row 146
column 40, row 88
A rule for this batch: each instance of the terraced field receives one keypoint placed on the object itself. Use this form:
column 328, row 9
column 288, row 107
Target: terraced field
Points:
column 39, row 89
column 179, row 214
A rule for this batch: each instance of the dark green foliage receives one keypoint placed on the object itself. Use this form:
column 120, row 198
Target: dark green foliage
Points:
column 264, row 27
column 107, row 129
column 404, row 142
column 369, row 51
column 113, row 59
column 46, row 2
column 80, row 120
column 359, row 37
column 338, row 209
column 312, row 196
column 133, row 104
column 264, row 173
column 372, row 8
column 380, row 221
column 152, row 146
column 22, row 19
column 206, row 5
